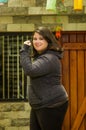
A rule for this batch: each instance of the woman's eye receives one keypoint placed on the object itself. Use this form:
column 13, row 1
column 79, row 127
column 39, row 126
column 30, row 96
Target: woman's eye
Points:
column 40, row 38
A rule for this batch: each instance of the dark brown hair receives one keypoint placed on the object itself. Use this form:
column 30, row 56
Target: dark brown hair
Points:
column 49, row 37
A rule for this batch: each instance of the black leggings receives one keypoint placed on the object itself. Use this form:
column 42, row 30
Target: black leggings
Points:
column 48, row 118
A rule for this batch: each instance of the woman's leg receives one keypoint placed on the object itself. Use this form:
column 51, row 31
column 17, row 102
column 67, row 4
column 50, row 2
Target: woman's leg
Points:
column 34, row 125
column 51, row 118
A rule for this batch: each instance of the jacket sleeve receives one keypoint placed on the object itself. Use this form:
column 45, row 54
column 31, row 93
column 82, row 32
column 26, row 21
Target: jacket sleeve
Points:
column 42, row 65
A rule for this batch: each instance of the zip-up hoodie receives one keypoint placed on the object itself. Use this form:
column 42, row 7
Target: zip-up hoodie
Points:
column 45, row 77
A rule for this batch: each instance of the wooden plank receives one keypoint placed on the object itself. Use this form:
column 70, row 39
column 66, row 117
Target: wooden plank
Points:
column 65, row 38
column 73, row 85
column 85, row 37
column 65, row 81
column 74, row 46
column 73, row 38
column 80, row 115
column 80, row 73
column 80, row 38
column 85, row 85
column 85, row 73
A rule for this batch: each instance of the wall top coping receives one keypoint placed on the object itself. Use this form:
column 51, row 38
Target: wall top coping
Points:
column 13, row 11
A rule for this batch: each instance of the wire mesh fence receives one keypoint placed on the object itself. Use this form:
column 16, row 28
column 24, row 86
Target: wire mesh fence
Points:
column 13, row 82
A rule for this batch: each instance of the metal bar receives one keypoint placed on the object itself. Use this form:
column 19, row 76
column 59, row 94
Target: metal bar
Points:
column 22, row 74
column 3, row 69
column 12, row 69
column 28, row 78
column 18, row 88
column 8, row 66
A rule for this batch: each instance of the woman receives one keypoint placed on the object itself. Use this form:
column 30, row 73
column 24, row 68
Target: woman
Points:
column 47, row 96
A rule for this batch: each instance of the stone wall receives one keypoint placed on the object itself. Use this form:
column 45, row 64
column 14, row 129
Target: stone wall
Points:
column 25, row 15
column 14, row 116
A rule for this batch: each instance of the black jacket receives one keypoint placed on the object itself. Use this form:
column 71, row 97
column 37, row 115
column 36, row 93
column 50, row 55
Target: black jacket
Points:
column 45, row 77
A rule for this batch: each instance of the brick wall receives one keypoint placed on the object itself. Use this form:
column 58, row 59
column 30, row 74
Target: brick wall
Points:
column 14, row 116
column 25, row 15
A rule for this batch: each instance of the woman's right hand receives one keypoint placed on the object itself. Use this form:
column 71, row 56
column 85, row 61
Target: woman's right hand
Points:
column 28, row 42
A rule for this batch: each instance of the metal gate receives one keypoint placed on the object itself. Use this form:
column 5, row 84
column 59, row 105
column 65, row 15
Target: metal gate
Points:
column 13, row 83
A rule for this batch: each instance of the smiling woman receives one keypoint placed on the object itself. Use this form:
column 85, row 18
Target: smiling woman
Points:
column 46, row 94
column 39, row 43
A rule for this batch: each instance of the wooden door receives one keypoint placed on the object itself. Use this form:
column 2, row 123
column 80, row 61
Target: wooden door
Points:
column 74, row 79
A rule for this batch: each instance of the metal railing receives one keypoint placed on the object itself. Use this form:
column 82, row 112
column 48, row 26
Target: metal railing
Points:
column 13, row 82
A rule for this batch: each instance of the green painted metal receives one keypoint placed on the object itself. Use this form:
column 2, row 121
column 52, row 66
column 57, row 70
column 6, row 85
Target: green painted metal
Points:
column 14, row 83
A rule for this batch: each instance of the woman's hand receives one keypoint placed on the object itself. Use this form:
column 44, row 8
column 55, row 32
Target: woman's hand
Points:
column 28, row 42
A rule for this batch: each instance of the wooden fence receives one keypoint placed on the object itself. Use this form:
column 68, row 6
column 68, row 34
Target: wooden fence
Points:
column 74, row 79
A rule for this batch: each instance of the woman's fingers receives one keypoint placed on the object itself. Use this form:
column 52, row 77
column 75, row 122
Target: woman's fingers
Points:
column 28, row 42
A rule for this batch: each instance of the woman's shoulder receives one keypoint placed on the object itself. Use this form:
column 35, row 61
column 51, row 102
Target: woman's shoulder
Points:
column 53, row 54
column 49, row 56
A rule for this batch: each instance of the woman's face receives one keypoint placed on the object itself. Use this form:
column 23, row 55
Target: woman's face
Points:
column 39, row 43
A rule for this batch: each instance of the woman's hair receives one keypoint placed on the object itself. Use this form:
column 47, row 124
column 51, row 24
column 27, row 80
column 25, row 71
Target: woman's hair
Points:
column 49, row 37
